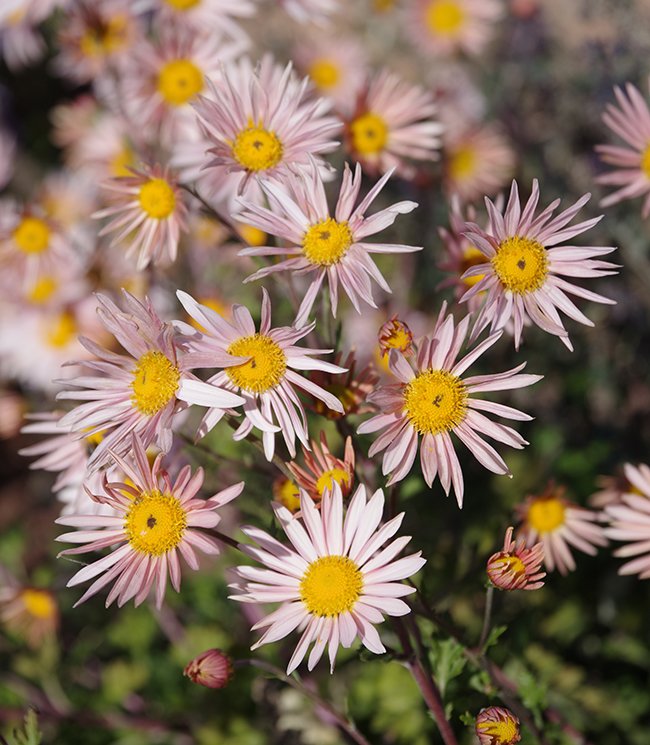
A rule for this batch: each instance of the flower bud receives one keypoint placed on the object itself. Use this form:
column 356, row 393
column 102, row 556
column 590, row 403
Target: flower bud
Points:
column 516, row 567
column 395, row 334
column 212, row 669
column 497, row 726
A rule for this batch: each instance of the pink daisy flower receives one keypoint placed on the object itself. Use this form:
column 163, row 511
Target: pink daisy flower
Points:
column 148, row 216
column 260, row 365
column 557, row 523
column 21, row 43
column 134, row 392
column 334, row 582
column 523, row 275
column 393, row 124
column 516, row 567
column 156, row 521
column 630, row 522
column 322, row 470
column 432, row 401
column 321, row 245
column 631, row 122
column 497, row 726
column 261, row 121
column 199, row 15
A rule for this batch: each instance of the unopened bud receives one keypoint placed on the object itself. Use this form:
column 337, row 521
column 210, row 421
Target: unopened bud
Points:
column 497, row 726
column 212, row 669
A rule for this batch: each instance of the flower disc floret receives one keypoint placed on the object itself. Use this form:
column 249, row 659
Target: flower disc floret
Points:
column 369, row 133
column 179, row 81
column 327, row 242
column 38, row 603
column 333, row 476
column 546, row 514
column 257, row 149
column 503, row 732
column 445, row 17
column 521, row 264
column 182, row 4
column 155, row 523
column 325, row 73
column 265, row 368
column 157, row 198
column 435, row 401
column 155, row 382
column 32, row 236
column 331, row 586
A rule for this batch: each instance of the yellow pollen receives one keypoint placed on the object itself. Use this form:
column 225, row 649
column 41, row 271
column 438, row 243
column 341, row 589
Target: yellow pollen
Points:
column 645, row 161
column 472, row 257
column 157, row 198
column 462, row 163
column 251, row 235
column 179, row 81
column 546, row 514
column 105, row 38
column 327, row 242
column 62, row 330
column 331, row 585
column 395, row 334
column 155, row 381
column 95, row 438
column 445, row 17
column 265, row 368
column 435, row 401
column 256, row 148
column 510, row 563
column 32, row 235
column 182, row 4
column 521, row 264
column 325, row 73
column 327, row 479
column 369, row 133
column 42, row 290
column 155, row 523
column 38, row 603
column 504, row 732
column 120, row 162
column 286, row 492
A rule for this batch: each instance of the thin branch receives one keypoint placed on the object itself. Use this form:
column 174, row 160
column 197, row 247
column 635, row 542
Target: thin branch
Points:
column 487, row 618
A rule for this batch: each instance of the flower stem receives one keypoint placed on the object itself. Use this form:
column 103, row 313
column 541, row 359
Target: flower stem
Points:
column 487, row 618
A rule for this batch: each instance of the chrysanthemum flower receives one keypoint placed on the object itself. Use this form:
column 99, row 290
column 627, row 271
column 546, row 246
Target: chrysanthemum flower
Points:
column 321, row 245
column 351, row 388
column 322, row 470
column 148, row 215
column 212, row 669
column 260, row 121
column 612, row 488
column 199, row 15
column 156, row 521
column 395, row 334
column 523, row 276
column 516, row 567
column 28, row 611
column 557, row 523
column 630, row 522
column 497, row 726
column 433, row 401
column 21, row 43
column 260, row 365
column 286, row 493
column 134, row 392
column 392, row 125
column 631, row 122
column 333, row 581
column 442, row 27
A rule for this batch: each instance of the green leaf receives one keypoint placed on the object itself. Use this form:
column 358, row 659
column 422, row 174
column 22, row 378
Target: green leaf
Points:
column 494, row 636
column 447, row 661
column 29, row 735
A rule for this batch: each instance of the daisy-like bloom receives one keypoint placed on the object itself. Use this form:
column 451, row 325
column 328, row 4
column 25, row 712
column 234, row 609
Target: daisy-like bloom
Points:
column 395, row 334
column 148, row 216
column 322, row 245
column 497, row 726
column 335, row 582
column 631, row 122
column 442, row 27
column 27, row 611
column 21, row 44
column 630, row 521
column 199, row 15
column 524, row 269
column 260, row 365
column 134, row 392
column 212, row 669
column 478, row 162
column 322, row 470
column 516, row 567
column 156, row 521
column 433, row 401
column 260, row 121
column 351, row 389
column 392, row 125
column 557, row 523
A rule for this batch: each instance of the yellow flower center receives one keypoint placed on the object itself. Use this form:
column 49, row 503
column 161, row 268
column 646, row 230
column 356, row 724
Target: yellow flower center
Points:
column 265, row 368
column 331, row 585
column 327, row 242
column 645, row 161
column 546, row 514
column 32, row 235
column 62, row 329
column 462, row 163
column 121, row 160
column 286, row 492
column 325, row 73
column 521, row 264
column 445, row 17
column 395, row 334
column 504, row 732
column 435, row 401
column 509, row 563
column 179, row 81
column 252, row 235
column 157, row 198
column 105, row 38
column 42, row 290
column 334, row 476
column 155, row 381
column 369, row 133
column 155, row 523
column 182, row 4
column 38, row 603
column 257, row 149
column 472, row 257
column 94, row 439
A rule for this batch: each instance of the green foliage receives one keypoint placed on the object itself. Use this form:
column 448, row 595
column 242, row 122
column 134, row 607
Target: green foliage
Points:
column 447, row 659
column 29, row 734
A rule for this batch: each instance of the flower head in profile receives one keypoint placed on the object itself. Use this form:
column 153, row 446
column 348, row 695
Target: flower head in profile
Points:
column 322, row 470
column 156, row 522
column 516, row 567
column 631, row 122
column 525, row 266
column 395, row 334
column 134, row 392
column 430, row 400
column 611, row 489
column 335, row 581
column 147, row 215
column 260, row 121
column 557, row 523
column 321, row 245
column 212, row 669
column 393, row 124
column 497, row 726
column 629, row 522
column 261, row 366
